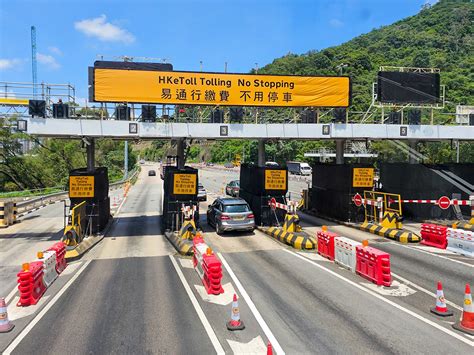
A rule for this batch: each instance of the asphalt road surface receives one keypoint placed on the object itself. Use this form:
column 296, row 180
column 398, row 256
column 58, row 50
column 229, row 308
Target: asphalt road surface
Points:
column 133, row 294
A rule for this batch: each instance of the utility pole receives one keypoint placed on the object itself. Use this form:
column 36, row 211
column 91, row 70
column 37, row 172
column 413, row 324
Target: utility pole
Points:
column 33, row 59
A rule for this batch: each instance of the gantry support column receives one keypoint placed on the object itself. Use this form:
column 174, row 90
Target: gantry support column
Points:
column 261, row 152
column 180, row 143
column 90, row 152
column 340, row 151
column 412, row 159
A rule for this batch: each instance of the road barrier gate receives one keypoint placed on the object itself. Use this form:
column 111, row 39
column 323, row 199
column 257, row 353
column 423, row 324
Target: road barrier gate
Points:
column 384, row 207
column 76, row 229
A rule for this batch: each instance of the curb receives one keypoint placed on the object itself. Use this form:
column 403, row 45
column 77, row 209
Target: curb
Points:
column 87, row 244
column 299, row 240
column 183, row 246
column 401, row 236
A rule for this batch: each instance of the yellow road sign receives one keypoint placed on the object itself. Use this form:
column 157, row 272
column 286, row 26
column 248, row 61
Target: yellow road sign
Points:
column 81, row 186
column 363, row 177
column 184, row 184
column 275, row 179
column 197, row 88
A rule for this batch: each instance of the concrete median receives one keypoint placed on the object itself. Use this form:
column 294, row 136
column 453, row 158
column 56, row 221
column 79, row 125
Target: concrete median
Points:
column 399, row 235
column 298, row 240
column 183, row 246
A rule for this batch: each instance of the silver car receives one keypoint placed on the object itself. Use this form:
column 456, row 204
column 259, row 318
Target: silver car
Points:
column 227, row 214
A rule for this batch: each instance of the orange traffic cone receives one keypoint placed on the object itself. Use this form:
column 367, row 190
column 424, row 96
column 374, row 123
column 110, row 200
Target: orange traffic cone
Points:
column 441, row 309
column 466, row 324
column 269, row 349
column 5, row 324
column 235, row 323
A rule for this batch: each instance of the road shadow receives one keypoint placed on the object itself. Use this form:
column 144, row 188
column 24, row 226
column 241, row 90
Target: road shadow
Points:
column 27, row 218
column 127, row 226
column 52, row 236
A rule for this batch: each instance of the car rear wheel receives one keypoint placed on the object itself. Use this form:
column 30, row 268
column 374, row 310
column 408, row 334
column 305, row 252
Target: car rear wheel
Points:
column 218, row 229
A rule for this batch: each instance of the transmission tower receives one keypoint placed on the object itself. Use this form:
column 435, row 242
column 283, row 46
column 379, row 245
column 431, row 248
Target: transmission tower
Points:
column 33, row 58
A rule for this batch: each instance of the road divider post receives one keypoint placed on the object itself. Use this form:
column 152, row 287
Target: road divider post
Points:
column 441, row 309
column 466, row 324
column 235, row 322
column 5, row 324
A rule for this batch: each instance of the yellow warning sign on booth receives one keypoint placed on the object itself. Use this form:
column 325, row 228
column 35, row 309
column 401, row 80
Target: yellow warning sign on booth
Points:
column 363, row 177
column 275, row 179
column 81, row 186
column 197, row 88
column 184, row 184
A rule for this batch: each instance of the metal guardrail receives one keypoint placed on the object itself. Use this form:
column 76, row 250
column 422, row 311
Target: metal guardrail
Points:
column 26, row 206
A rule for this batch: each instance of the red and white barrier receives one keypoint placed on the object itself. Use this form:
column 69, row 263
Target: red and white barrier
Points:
column 31, row 284
column 345, row 252
column 434, row 235
column 208, row 266
column 460, row 241
column 60, row 250
column 48, row 258
column 38, row 275
column 373, row 265
column 326, row 244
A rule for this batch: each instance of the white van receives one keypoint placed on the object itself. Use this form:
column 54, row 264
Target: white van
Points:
column 298, row 168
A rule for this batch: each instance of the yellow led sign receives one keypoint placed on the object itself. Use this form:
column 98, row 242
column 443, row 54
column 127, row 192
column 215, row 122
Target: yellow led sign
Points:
column 189, row 88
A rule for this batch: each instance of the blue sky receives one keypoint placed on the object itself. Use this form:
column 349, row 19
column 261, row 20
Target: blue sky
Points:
column 71, row 34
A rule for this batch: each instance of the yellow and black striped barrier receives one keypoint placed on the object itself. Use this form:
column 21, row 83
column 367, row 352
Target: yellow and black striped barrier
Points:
column 464, row 225
column 183, row 246
column 6, row 214
column 395, row 234
column 298, row 240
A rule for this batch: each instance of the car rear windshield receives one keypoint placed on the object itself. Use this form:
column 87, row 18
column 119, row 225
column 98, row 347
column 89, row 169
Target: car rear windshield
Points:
column 236, row 208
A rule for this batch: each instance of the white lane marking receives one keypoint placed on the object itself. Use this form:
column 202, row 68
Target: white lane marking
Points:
column 439, row 256
column 207, row 326
column 223, row 299
column 254, row 346
column 276, row 345
column 412, row 284
column 383, row 299
column 41, row 314
column 313, row 256
column 395, row 290
column 11, row 294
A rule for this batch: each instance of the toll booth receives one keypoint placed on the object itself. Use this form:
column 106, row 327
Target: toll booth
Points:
column 258, row 185
column 180, row 189
column 93, row 188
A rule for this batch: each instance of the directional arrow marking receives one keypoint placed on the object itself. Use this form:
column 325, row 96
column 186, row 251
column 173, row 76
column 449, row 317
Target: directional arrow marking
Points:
column 223, row 299
column 254, row 346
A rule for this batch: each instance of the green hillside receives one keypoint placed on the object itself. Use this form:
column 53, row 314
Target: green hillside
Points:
column 440, row 37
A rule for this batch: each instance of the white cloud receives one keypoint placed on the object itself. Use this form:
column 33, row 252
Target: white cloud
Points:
column 104, row 31
column 48, row 60
column 55, row 50
column 336, row 23
column 9, row 63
